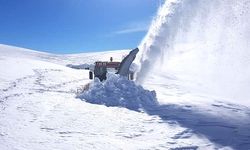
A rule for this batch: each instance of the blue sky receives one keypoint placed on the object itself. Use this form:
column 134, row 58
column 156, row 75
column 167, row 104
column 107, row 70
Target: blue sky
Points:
column 72, row 26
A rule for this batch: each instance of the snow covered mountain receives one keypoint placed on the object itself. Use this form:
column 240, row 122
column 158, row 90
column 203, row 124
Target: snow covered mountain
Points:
column 39, row 110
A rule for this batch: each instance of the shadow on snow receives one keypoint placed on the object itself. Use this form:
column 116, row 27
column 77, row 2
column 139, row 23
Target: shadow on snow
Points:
column 219, row 130
column 223, row 131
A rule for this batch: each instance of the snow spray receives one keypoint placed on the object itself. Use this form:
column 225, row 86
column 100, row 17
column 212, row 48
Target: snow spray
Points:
column 206, row 43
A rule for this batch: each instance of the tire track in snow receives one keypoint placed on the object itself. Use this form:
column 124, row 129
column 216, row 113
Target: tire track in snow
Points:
column 16, row 87
column 15, row 83
column 40, row 76
column 10, row 91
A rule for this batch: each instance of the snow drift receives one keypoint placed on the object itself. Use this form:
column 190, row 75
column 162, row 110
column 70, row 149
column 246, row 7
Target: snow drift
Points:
column 118, row 91
column 204, row 43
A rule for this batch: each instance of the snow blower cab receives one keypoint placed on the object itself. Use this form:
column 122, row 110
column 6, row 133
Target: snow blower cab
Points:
column 101, row 68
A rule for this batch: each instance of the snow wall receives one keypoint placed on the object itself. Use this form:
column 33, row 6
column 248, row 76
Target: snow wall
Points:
column 206, row 43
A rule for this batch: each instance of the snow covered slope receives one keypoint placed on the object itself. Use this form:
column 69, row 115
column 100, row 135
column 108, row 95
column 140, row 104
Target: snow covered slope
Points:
column 39, row 110
column 11, row 51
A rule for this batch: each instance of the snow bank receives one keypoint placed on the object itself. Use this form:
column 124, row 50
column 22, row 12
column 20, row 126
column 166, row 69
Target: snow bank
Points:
column 118, row 91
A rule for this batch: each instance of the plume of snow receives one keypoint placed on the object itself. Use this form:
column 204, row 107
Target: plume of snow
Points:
column 201, row 42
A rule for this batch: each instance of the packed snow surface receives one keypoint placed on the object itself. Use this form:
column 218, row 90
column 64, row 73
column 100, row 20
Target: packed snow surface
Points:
column 119, row 91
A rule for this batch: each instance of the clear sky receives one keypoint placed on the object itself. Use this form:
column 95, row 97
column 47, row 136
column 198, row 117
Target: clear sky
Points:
column 72, row 26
